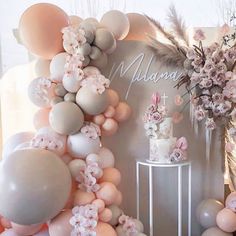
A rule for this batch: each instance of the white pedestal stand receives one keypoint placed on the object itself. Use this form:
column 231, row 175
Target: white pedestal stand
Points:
column 151, row 165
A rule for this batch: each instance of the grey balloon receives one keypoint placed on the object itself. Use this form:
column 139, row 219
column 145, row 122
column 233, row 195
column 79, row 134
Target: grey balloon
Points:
column 207, row 211
column 215, row 231
column 66, row 118
column 35, row 185
column 91, row 102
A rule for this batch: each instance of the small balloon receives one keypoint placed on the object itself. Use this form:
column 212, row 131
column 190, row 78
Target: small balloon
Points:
column 215, row 231
column 111, row 175
column 116, row 213
column 100, row 204
column 104, row 229
column 91, row 70
column 123, row 112
column 226, row 220
column 60, row 225
column 71, row 84
column 119, row 27
column 99, row 119
column 57, row 66
column 107, row 193
column 207, row 211
column 76, row 166
column 105, row 215
column 109, row 112
column 109, row 127
column 83, row 198
column 60, row 90
column 113, row 97
column 95, row 53
column 104, row 39
column 107, row 158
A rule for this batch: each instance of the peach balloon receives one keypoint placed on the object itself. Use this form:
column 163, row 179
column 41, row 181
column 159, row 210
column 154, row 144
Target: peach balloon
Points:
column 5, row 223
column 104, row 229
column 119, row 198
column 40, row 29
column 139, row 27
column 60, row 225
column 105, row 215
column 99, row 119
column 113, row 97
column 41, row 118
column 100, row 204
column 123, row 112
column 83, row 198
column 226, row 220
column 26, row 229
column 107, row 192
column 109, row 127
column 75, row 20
column 107, row 158
column 109, row 112
column 111, row 175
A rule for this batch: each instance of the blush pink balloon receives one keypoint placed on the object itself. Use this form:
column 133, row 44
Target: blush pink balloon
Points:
column 104, row 229
column 99, row 119
column 109, row 112
column 41, row 118
column 111, row 175
column 107, row 193
column 40, row 29
column 231, row 201
column 83, row 198
column 100, row 204
column 119, row 198
column 226, row 220
column 105, row 215
column 109, row 127
column 26, row 229
column 107, row 158
column 123, row 112
column 60, row 225
column 113, row 97
column 47, row 138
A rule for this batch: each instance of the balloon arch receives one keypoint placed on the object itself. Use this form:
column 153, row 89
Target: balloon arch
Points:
column 60, row 180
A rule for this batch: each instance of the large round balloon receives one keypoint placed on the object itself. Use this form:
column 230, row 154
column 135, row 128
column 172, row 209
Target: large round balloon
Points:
column 40, row 29
column 214, row 231
column 140, row 27
column 60, row 225
column 207, row 211
column 79, row 145
column 91, row 102
column 226, row 220
column 35, row 185
column 119, row 27
column 66, row 118
column 14, row 141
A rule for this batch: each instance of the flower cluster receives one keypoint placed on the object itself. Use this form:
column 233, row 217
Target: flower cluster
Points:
column 128, row 225
column 84, row 220
column 210, row 71
column 153, row 116
column 73, row 39
column 98, row 83
column 88, row 177
column 179, row 152
column 91, row 130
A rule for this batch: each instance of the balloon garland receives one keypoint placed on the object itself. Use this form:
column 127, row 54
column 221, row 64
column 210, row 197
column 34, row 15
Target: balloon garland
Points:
column 60, row 180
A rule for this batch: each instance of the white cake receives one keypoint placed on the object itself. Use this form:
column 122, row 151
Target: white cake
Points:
column 163, row 147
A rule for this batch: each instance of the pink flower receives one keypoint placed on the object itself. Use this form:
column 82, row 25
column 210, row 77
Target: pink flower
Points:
column 91, row 130
column 199, row 113
column 230, row 90
column 156, row 117
column 210, row 124
column 205, row 83
column 156, row 99
column 225, row 29
column 191, row 54
column 199, row 35
column 217, row 97
column 178, row 100
column 182, row 143
column 177, row 155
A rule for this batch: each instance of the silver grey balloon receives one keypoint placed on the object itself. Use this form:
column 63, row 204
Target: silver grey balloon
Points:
column 35, row 185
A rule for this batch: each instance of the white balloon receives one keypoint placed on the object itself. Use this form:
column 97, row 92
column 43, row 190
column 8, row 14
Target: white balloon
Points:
column 91, row 70
column 79, row 145
column 71, row 84
column 57, row 66
column 107, row 158
column 14, row 141
column 75, row 166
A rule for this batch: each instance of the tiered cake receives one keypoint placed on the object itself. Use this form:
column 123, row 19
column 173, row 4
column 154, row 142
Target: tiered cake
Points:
column 164, row 148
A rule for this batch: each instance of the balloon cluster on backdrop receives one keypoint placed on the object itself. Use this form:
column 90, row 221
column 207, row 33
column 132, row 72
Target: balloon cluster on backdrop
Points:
column 217, row 219
column 60, row 180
